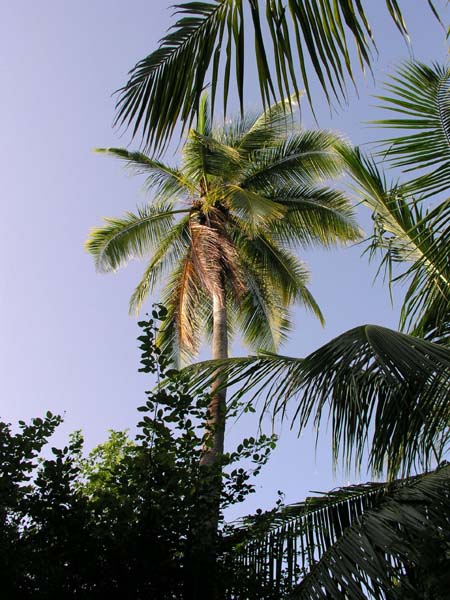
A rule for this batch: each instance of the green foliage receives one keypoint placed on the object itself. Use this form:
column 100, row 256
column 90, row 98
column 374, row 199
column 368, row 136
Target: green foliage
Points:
column 368, row 541
column 244, row 197
column 307, row 39
column 418, row 96
column 125, row 521
column 381, row 390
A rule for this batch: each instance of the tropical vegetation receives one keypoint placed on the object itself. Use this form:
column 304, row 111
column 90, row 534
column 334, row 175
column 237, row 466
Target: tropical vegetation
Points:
column 294, row 43
column 220, row 231
column 382, row 390
column 123, row 521
column 129, row 520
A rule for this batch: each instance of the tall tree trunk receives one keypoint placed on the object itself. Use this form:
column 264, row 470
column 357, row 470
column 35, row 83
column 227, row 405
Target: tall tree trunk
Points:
column 217, row 406
column 203, row 569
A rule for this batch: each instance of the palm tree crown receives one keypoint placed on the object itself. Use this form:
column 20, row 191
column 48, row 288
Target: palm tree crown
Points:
column 222, row 226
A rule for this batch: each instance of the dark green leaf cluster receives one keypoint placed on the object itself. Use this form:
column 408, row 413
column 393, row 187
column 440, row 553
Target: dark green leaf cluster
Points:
column 374, row 540
column 126, row 521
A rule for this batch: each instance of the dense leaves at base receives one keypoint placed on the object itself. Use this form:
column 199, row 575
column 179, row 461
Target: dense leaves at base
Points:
column 126, row 521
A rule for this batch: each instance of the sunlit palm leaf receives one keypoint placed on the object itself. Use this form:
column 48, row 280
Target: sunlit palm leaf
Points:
column 170, row 251
column 167, row 182
column 410, row 239
column 267, row 129
column 380, row 388
column 206, row 155
column 308, row 39
column 419, row 95
column 135, row 235
column 313, row 214
column 303, row 159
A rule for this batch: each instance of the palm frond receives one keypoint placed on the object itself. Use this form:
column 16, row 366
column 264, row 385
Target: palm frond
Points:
column 253, row 208
column 267, row 129
column 169, row 252
column 167, row 183
column 304, row 158
column 408, row 238
column 134, row 235
column 363, row 541
column 308, row 38
column 314, row 215
column 205, row 156
column 381, row 389
column 419, row 95
column 180, row 333
column 261, row 317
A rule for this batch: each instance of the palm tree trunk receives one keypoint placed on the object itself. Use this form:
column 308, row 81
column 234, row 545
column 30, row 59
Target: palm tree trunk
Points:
column 203, row 583
column 217, row 407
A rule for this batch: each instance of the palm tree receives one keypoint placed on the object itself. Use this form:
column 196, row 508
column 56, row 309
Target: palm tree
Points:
column 221, row 228
column 383, row 389
column 307, row 38
column 381, row 385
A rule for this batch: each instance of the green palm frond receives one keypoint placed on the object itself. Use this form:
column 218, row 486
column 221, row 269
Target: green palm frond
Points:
column 360, row 542
column 307, row 38
column 381, row 389
column 267, row 129
column 282, row 271
column 165, row 181
column 208, row 156
column 305, row 158
column 169, row 252
column 313, row 215
column 419, row 95
column 411, row 239
column 261, row 317
column 253, row 209
column 426, row 308
column 135, row 235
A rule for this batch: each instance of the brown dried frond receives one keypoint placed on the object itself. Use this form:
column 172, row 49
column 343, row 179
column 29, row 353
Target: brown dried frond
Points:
column 215, row 257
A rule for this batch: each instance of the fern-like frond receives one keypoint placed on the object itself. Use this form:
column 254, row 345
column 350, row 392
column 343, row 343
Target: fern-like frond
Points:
column 166, row 182
column 134, row 235
column 314, row 215
column 359, row 542
column 168, row 254
column 308, row 40
column 381, row 389
column 419, row 95
column 305, row 158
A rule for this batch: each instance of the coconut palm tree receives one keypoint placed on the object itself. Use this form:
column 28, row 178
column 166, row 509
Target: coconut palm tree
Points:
column 388, row 388
column 220, row 229
column 382, row 389
column 307, row 39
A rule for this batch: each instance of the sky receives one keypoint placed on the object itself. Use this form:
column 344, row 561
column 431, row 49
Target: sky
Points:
column 67, row 343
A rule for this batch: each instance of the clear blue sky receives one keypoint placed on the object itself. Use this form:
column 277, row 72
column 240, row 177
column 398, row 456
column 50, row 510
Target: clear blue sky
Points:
column 67, row 343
